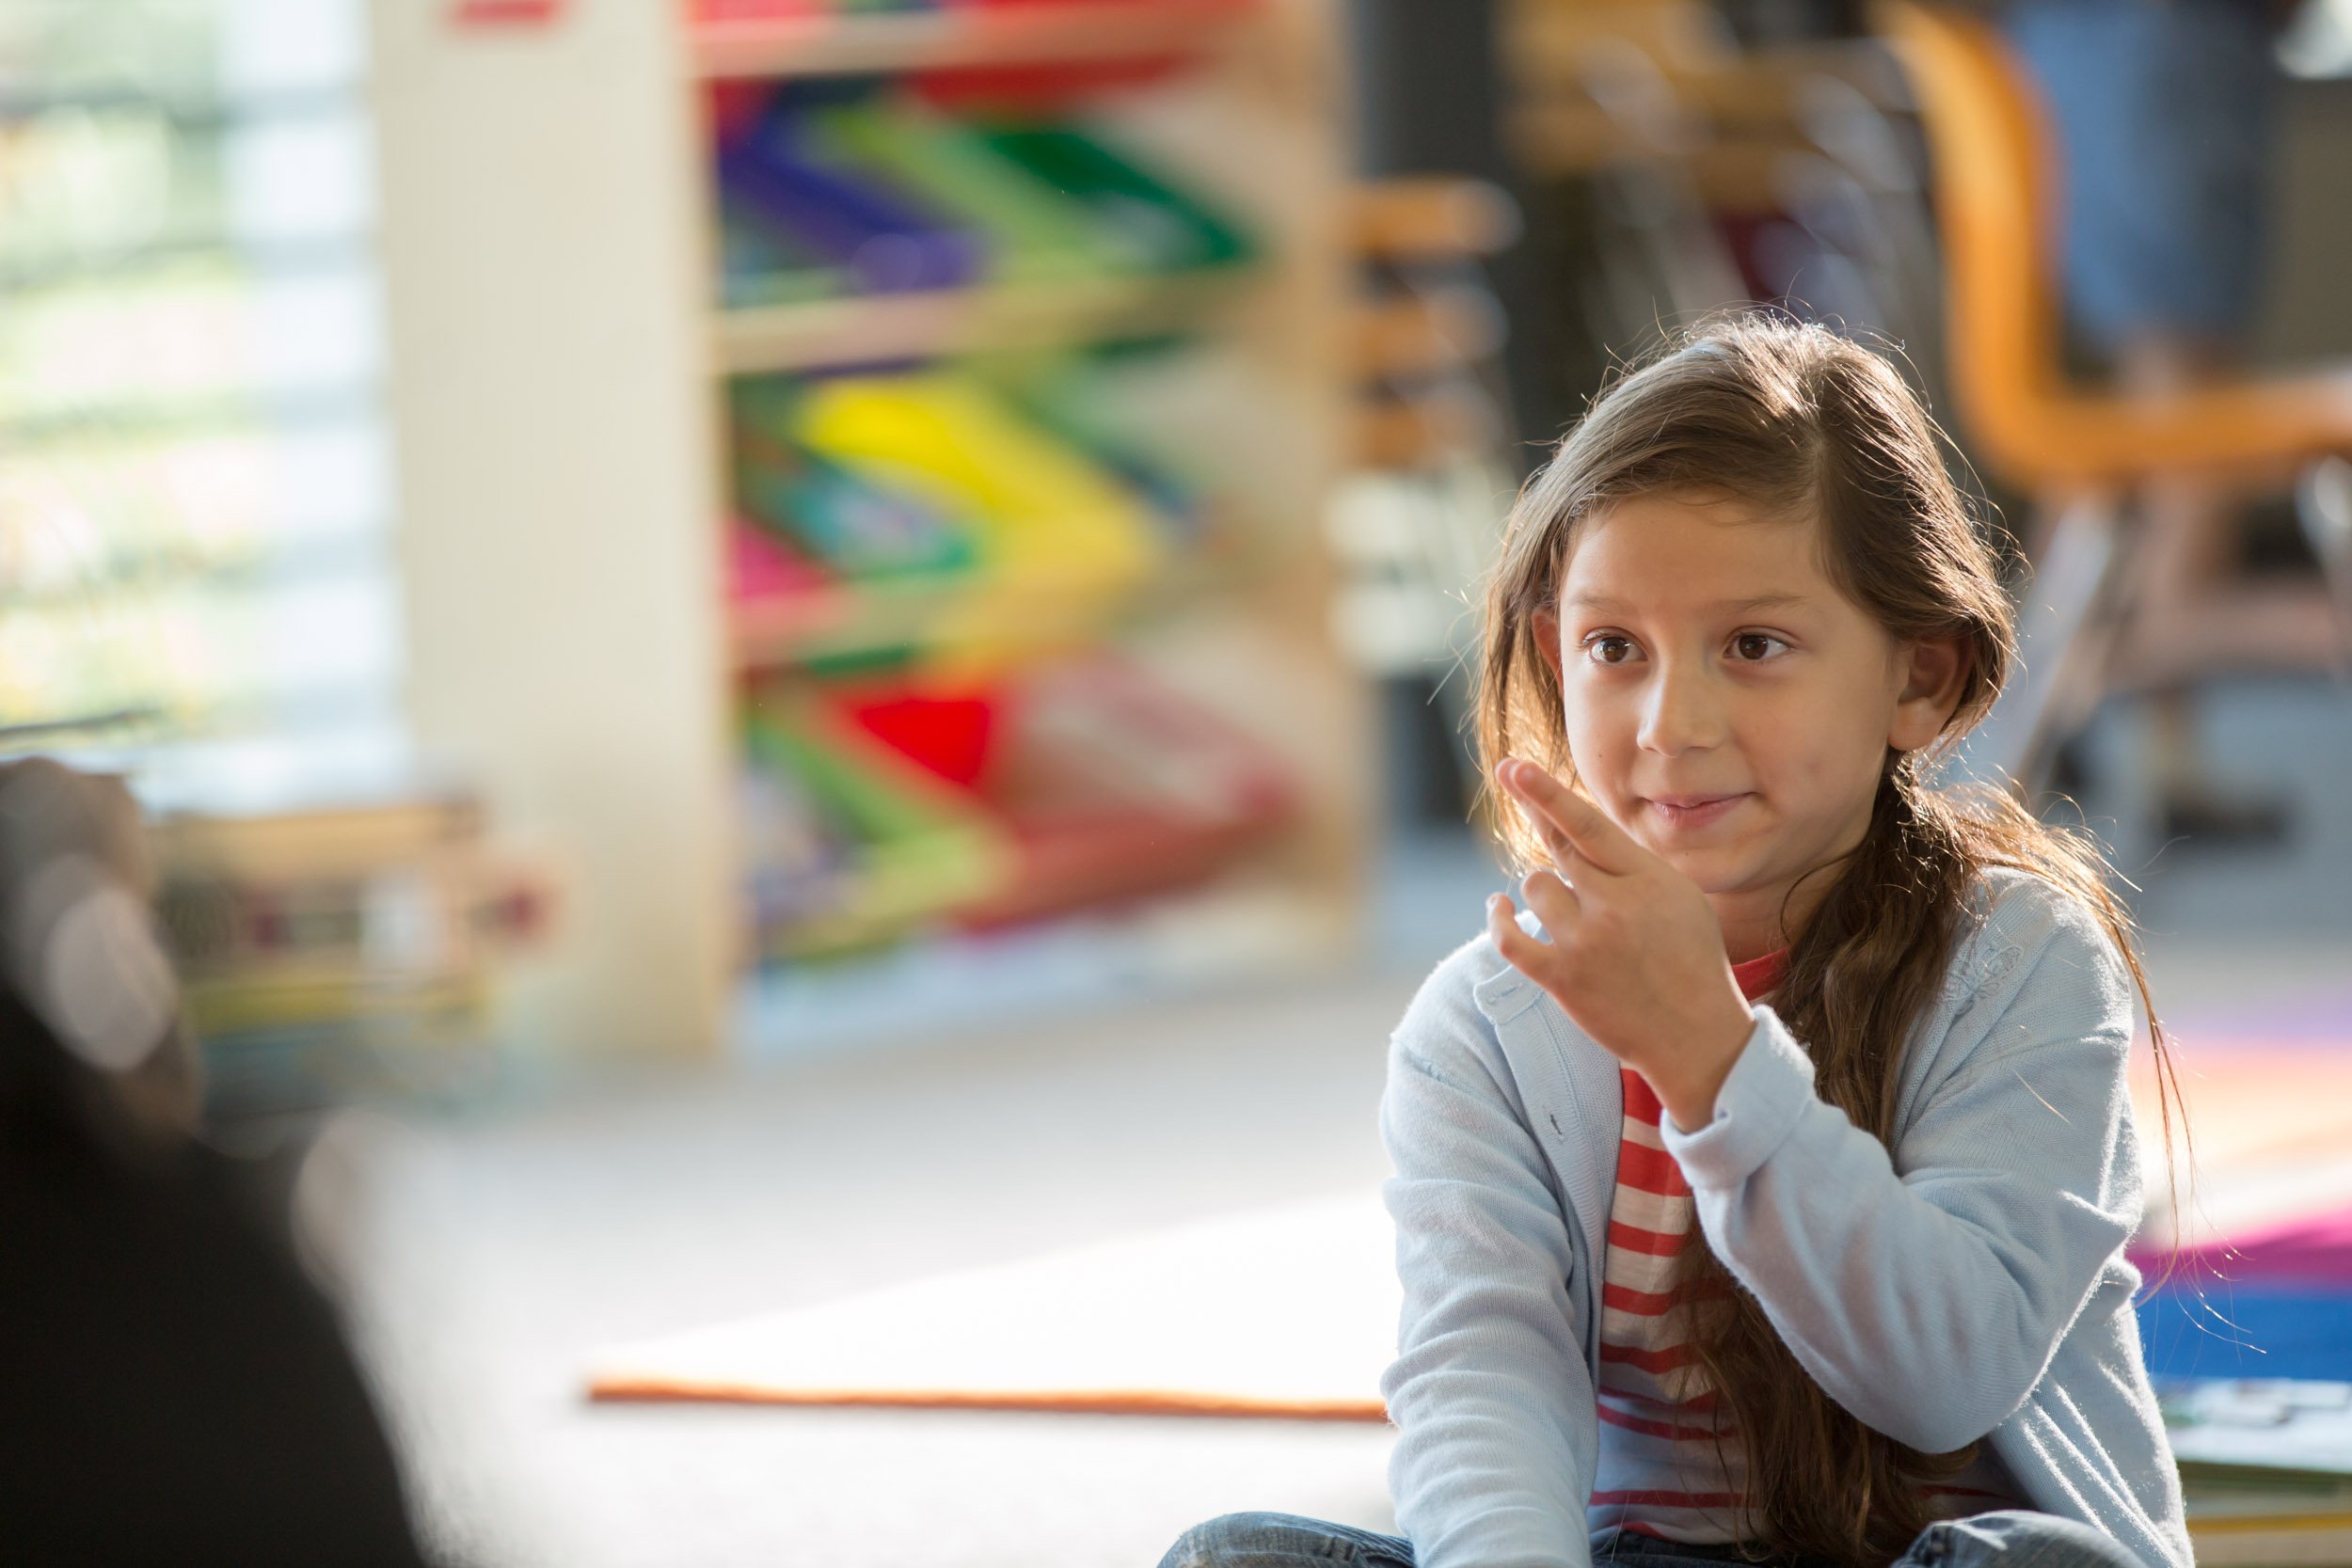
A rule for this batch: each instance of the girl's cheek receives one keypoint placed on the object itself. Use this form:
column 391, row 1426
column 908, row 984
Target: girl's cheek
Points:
column 1600, row 751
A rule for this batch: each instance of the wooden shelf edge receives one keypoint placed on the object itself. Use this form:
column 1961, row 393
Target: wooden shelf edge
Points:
column 882, row 328
column 1230, row 930
column 849, row 46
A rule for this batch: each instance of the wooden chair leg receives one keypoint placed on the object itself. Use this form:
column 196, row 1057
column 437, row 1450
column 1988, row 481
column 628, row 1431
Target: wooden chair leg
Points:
column 2067, row 624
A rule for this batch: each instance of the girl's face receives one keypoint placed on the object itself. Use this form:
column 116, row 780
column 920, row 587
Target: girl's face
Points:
column 1727, row 705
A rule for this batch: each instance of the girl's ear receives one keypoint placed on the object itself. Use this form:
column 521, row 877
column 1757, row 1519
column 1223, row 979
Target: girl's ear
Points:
column 1935, row 674
column 1547, row 624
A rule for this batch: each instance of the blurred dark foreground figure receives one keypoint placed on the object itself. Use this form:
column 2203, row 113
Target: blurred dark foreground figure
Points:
column 174, row 1388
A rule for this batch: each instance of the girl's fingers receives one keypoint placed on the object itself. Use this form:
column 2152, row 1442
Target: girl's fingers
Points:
column 1589, row 833
column 1572, row 862
column 1555, row 904
column 1519, row 950
column 1554, row 901
column 1501, row 923
column 1557, row 845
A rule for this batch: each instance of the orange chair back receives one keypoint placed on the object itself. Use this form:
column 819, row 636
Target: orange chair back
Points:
column 1995, row 198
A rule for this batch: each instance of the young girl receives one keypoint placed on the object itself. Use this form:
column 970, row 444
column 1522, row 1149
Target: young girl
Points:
column 1762, row 1187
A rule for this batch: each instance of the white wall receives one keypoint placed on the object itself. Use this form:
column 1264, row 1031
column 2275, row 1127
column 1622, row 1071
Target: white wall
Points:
column 549, row 412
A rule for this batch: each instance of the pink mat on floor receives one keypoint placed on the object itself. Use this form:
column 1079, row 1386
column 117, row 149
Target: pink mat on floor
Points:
column 2316, row 1251
column 2269, row 1085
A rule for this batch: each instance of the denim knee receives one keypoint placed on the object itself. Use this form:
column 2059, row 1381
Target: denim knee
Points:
column 1276, row 1541
column 1228, row 1541
column 2015, row 1538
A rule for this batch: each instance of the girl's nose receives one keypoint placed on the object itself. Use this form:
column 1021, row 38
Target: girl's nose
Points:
column 1682, row 712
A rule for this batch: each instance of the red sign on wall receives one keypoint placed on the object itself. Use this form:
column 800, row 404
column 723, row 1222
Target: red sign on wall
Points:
column 506, row 13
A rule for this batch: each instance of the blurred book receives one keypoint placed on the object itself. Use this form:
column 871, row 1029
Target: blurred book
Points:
column 2267, row 1468
column 879, row 806
column 837, row 188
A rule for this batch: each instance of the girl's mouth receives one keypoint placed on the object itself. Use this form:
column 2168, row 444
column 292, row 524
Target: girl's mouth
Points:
column 1688, row 812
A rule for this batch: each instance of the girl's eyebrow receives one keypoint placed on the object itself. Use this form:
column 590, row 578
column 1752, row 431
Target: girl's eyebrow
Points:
column 1607, row 604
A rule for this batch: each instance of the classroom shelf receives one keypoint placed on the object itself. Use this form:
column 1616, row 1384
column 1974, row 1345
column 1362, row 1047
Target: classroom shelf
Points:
column 834, row 44
column 878, row 328
column 596, row 465
column 1222, row 619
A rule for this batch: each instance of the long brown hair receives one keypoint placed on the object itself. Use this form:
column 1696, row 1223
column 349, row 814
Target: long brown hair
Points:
column 1798, row 422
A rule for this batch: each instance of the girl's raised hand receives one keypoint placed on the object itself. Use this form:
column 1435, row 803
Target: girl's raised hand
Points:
column 1636, row 956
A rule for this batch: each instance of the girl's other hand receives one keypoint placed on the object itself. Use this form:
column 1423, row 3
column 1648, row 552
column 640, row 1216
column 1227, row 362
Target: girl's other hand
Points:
column 1636, row 956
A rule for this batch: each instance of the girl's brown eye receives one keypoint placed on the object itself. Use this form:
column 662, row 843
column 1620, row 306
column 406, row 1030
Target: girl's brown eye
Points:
column 1611, row 650
column 1754, row 646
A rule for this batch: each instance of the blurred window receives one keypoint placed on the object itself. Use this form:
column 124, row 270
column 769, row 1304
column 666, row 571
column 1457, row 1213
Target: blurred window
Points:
column 195, row 494
column 2319, row 41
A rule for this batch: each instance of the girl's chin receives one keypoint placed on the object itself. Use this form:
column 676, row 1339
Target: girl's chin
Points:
column 1715, row 869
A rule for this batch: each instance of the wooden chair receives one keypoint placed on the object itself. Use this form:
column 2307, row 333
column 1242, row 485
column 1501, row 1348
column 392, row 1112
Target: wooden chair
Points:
column 2081, row 451
column 1420, row 349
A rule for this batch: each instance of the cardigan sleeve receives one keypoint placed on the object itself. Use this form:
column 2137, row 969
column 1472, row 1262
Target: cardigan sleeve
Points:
column 1490, row 1391
column 1928, row 1289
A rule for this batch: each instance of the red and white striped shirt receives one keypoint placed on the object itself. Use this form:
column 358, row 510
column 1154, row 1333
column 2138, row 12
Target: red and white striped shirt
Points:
column 1662, row 1471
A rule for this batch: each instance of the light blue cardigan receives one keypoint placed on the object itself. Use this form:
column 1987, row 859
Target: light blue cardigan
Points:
column 1972, row 1285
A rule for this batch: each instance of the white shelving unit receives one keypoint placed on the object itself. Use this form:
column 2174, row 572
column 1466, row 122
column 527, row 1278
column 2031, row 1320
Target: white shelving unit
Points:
column 560, row 364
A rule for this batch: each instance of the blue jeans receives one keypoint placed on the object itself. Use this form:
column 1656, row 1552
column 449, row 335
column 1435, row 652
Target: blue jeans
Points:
column 2011, row 1539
